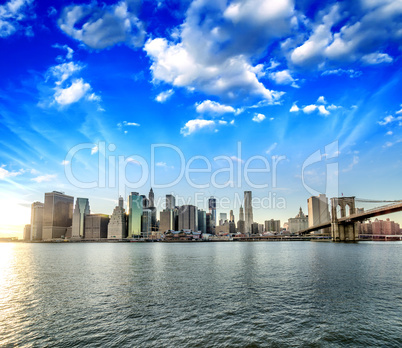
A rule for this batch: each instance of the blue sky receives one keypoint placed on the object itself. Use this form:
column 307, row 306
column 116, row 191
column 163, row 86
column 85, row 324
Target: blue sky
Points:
column 276, row 78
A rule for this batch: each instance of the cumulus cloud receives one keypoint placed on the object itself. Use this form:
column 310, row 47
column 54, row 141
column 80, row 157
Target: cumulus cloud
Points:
column 344, row 34
column 212, row 107
column 294, row 108
column 214, row 53
column 63, row 71
column 258, row 118
column 195, row 125
column 163, row 96
column 94, row 150
column 283, row 78
column 99, row 27
column 44, row 178
column 389, row 119
column 64, row 163
column 73, row 93
column 12, row 15
column 309, row 108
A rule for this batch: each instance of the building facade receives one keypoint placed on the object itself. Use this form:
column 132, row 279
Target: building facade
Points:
column 298, row 223
column 117, row 227
column 134, row 212
column 37, row 220
column 248, row 211
column 188, row 218
column 96, row 226
column 318, row 211
column 80, row 211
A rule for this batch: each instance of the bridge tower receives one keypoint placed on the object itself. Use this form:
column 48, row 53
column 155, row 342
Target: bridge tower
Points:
column 343, row 231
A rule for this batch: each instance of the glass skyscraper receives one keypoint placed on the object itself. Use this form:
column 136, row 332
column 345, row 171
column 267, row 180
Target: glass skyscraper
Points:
column 81, row 209
column 134, row 211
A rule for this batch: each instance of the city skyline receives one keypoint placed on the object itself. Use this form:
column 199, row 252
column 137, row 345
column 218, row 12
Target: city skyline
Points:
column 317, row 73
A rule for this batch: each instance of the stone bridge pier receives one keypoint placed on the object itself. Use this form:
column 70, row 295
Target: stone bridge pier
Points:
column 343, row 231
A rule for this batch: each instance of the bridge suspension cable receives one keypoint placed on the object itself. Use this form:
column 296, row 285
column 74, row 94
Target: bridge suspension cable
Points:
column 363, row 200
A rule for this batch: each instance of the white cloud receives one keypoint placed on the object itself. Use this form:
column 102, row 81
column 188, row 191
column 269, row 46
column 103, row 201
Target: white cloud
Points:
column 94, row 150
column 222, row 122
column 389, row 119
column 258, row 117
column 64, row 163
column 44, row 178
column 4, row 173
column 350, row 72
column 69, row 54
column 163, row 96
column 294, row 108
column 12, row 15
column 209, row 106
column 133, row 124
column 321, row 100
column 323, row 111
column 309, row 108
column 63, row 71
column 283, row 78
column 389, row 133
column 100, row 27
column 232, row 122
column 94, row 97
column 376, row 58
column 352, row 164
column 195, row 125
column 236, row 159
column 271, row 148
column 73, row 93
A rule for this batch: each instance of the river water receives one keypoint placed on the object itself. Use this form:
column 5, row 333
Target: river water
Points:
column 234, row 294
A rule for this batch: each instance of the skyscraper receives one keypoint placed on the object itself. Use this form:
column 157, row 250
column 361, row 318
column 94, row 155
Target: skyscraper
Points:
column 78, row 225
column 121, row 202
column 222, row 218
column 170, row 202
column 57, row 215
column 37, row 220
column 27, row 233
column 241, row 214
column 202, row 221
column 96, row 226
column 166, row 220
column 117, row 227
column 231, row 216
column 134, row 212
column 151, row 198
column 248, row 210
column 146, row 219
column 212, row 211
column 188, row 218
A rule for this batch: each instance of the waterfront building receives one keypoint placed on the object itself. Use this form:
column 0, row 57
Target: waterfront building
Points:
column 27, row 233
column 117, row 227
column 231, row 216
column 223, row 229
column 37, row 220
column 202, row 221
column 380, row 227
column 166, row 220
column 96, row 226
column 272, row 225
column 232, row 227
column 78, row 225
column 298, row 223
column 188, row 218
column 170, row 202
column 241, row 226
column 212, row 211
column 146, row 223
column 318, row 211
column 254, row 228
column 134, row 212
column 57, row 215
column 209, row 223
column 248, row 211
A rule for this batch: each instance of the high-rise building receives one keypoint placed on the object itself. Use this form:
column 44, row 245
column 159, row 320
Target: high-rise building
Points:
column 37, row 220
column 212, row 211
column 78, row 225
column 240, row 226
column 27, row 233
column 166, row 218
column 57, row 215
column 254, row 228
column 222, row 218
column 208, row 223
column 231, row 216
column 96, row 226
column 134, row 212
column 117, row 227
column 272, row 225
column 248, row 211
column 298, row 223
column 145, row 202
column 151, row 198
column 146, row 219
column 188, row 218
column 202, row 221
column 170, row 202
column 241, row 214
column 121, row 202
column 318, row 211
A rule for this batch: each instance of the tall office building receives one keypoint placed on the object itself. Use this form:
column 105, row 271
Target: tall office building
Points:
column 134, row 212
column 188, row 218
column 254, row 228
column 166, row 218
column 37, row 220
column 151, row 198
column 212, row 211
column 121, row 202
column 57, row 215
column 241, row 222
column 117, row 227
column 202, row 221
column 241, row 214
column 78, row 225
column 272, row 225
column 145, row 202
column 222, row 218
column 146, row 219
column 96, row 226
column 248, row 211
column 170, row 202
column 231, row 216
column 318, row 211
column 27, row 233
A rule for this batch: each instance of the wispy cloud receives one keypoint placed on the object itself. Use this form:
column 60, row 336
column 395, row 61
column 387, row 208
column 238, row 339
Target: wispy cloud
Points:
column 164, row 96
column 44, row 178
column 271, row 148
column 4, row 173
column 259, row 117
